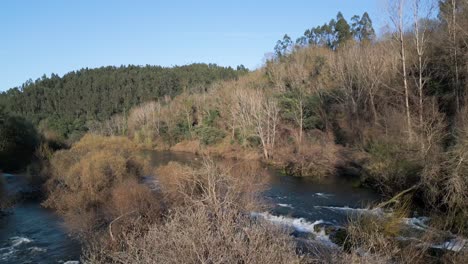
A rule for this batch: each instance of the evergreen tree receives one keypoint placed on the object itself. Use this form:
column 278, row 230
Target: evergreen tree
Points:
column 366, row 31
column 65, row 105
column 342, row 30
column 283, row 46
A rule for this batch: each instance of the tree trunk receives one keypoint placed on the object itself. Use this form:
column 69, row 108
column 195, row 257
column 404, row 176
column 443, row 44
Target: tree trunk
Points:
column 455, row 55
column 374, row 111
column 421, row 106
column 405, row 76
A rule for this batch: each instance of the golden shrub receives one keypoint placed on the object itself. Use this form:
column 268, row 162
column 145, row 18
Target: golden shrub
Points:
column 94, row 173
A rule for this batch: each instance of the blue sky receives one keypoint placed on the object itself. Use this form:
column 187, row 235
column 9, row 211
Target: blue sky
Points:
column 58, row 36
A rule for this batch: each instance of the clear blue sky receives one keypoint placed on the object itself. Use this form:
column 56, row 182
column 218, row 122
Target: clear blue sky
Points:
column 58, row 36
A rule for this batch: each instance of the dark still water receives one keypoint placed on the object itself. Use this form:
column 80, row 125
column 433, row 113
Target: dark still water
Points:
column 33, row 234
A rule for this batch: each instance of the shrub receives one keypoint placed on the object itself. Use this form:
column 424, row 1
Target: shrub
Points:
column 87, row 178
column 391, row 168
column 310, row 158
column 209, row 135
column 211, row 224
column 195, row 235
column 241, row 183
column 372, row 239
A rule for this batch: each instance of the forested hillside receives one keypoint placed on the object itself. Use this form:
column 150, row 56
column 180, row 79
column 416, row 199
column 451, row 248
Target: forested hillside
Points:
column 67, row 105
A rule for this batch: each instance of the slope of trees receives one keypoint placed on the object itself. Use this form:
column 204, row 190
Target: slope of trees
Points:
column 68, row 104
column 18, row 141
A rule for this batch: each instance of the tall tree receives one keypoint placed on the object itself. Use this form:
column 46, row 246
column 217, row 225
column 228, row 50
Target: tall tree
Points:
column 397, row 16
column 283, row 46
column 451, row 12
column 361, row 28
column 366, row 31
column 342, row 30
column 421, row 9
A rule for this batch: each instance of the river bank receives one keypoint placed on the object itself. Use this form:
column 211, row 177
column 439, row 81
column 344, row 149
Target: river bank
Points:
column 316, row 211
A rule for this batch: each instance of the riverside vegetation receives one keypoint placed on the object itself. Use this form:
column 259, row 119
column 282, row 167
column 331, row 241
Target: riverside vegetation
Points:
column 391, row 110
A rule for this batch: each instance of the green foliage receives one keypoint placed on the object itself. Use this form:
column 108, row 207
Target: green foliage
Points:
column 342, row 30
column 65, row 104
column 284, row 46
column 18, row 141
column 391, row 167
column 254, row 141
column 338, row 31
column 362, row 28
column 291, row 105
column 207, row 132
column 181, row 131
column 211, row 117
column 209, row 135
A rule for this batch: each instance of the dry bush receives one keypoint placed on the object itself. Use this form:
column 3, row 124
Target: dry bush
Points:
column 445, row 180
column 317, row 156
column 94, row 174
column 115, row 126
column 211, row 225
column 191, row 146
column 182, row 185
column 147, row 115
column 372, row 239
column 132, row 196
column 455, row 258
column 171, row 178
column 195, row 235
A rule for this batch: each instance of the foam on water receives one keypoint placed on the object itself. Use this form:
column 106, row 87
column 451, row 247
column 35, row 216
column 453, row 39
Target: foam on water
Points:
column 285, row 205
column 324, row 195
column 419, row 223
column 17, row 241
column 347, row 209
column 298, row 224
column 37, row 249
column 456, row 244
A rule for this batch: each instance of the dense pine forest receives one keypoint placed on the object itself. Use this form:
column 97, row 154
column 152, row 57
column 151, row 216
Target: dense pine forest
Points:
column 387, row 111
column 68, row 105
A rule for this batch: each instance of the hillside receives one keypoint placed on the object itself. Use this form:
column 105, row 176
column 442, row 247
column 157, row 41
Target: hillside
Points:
column 67, row 105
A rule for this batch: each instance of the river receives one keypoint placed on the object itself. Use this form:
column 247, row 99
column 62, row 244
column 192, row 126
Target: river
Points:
column 30, row 233
column 33, row 234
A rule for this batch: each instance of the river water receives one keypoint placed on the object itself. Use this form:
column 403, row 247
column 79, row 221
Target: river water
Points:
column 32, row 234
column 301, row 203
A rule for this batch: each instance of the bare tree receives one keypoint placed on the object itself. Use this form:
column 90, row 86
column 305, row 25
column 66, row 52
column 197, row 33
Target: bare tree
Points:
column 397, row 16
column 345, row 68
column 422, row 11
column 258, row 112
column 372, row 63
column 452, row 26
column 298, row 74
